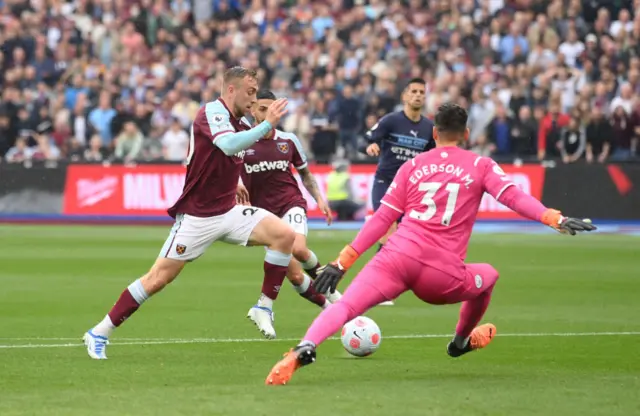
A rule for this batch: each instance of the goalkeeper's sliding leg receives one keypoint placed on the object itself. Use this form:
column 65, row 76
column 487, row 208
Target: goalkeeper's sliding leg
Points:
column 387, row 276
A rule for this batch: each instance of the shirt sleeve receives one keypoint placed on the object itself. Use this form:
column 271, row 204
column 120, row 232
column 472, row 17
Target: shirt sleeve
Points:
column 379, row 131
column 219, row 122
column 396, row 195
column 299, row 156
column 224, row 135
column 494, row 180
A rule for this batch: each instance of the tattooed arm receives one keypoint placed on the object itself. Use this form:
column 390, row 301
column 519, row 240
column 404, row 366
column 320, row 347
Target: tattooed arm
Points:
column 311, row 185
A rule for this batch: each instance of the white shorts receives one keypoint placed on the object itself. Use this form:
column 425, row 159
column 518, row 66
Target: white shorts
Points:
column 296, row 217
column 190, row 236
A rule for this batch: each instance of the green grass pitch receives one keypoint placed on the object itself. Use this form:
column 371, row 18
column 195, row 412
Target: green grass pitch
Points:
column 567, row 312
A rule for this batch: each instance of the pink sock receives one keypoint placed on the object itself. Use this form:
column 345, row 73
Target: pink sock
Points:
column 472, row 312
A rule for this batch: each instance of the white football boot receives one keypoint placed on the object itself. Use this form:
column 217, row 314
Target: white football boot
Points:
column 386, row 303
column 263, row 318
column 96, row 345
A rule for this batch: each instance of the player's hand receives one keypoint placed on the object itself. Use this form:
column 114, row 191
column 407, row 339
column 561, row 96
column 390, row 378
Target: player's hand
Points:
column 328, row 278
column 326, row 210
column 242, row 195
column 373, row 149
column 276, row 111
column 566, row 225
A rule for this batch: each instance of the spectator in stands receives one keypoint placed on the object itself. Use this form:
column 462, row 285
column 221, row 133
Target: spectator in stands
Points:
column 175, row 142
column 101, row 117
column 20, row 152
column 623, row 134
column 129, row 143
column 549, row 131
column 5, row 133
column 499, row 131
column 45, row 149
column 324, row 137
column 524, row 133
column 572, row 141
column 599, row 133
column 349, row 120
column 483, row 147
column 299, row 124
column 95, row 152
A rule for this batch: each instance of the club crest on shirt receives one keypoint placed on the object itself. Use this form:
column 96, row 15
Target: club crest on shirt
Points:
column 218, row 118
column 283, row 147
column 181, row 248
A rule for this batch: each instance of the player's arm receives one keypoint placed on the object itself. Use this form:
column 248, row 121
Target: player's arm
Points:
column 376, row 135
column 391, row 209
column 311, row 185
column 498, row 185
column 232, row 142
column 300, row 162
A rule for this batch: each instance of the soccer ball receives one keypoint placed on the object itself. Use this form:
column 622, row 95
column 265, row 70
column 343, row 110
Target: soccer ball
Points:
column 361, row 336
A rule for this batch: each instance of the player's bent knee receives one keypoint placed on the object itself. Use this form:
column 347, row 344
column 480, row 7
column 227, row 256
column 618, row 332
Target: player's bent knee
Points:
column 272, row 232
column 488, row 273
column 283, row 238
column 163, row 272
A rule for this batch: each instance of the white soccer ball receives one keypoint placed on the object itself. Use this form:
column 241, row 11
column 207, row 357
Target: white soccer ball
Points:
column 361, row 336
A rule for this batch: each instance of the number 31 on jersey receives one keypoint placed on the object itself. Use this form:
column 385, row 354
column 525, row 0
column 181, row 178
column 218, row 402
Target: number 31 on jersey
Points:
column 430, row 189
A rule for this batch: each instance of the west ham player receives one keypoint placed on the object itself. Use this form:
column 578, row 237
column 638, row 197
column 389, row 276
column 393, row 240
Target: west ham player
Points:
column 438, row 193
column 207, row 211
column 396, row 138
column 272, row 186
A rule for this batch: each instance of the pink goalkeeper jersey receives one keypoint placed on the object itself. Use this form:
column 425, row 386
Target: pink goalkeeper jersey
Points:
column 439, row 193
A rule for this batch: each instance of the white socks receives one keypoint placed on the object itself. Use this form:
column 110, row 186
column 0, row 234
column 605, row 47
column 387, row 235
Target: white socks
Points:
column 265, row 302
column 104, row 328
column 304, row 286
column 311, row 262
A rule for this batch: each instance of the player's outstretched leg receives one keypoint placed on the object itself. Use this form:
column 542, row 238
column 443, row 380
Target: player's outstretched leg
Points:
column 469, row 336
column 310, row 263
column 278, row 237
column 163, row 272
column 302, row 284
column 374, row 284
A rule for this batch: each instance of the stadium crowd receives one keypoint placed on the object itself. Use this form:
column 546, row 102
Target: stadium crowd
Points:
column 103, row 80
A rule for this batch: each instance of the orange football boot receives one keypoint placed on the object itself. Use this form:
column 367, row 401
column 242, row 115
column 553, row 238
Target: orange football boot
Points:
column 480, row 337
column 282, row 372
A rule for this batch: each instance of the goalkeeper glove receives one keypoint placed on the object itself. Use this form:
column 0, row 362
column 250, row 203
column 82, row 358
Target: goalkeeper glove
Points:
column 331, row 274
column 566, row 225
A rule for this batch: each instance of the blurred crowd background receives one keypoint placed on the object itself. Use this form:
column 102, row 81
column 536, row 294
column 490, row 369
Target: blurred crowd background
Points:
column 110, row 80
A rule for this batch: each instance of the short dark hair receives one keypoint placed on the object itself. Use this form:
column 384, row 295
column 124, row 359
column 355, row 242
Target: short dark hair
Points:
column 420, row 81
column 265, row 95
column 238, row 72
column 451, row 118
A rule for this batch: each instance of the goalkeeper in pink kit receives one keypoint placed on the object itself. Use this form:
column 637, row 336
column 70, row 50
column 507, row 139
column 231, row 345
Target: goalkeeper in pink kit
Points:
column 439, row 193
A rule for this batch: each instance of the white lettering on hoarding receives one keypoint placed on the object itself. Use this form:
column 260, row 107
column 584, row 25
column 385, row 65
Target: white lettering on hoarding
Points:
column 151, row 191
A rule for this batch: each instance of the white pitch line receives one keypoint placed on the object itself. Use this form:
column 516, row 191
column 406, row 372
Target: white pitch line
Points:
column 140, row 341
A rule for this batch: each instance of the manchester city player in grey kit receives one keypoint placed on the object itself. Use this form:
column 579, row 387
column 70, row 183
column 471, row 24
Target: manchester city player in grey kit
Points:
column 396, row 138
